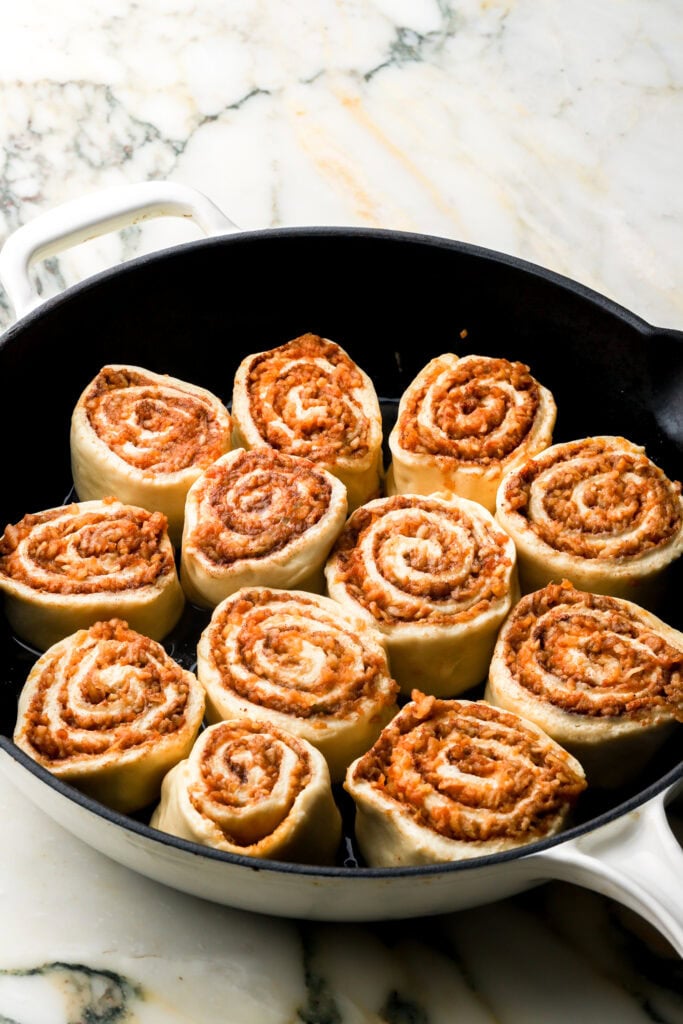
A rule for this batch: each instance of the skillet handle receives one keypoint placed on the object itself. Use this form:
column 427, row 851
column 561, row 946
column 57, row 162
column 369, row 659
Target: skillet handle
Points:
column 635, row 860
column 90, row 216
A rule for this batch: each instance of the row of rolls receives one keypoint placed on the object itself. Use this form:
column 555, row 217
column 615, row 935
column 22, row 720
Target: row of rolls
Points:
column 353, row 611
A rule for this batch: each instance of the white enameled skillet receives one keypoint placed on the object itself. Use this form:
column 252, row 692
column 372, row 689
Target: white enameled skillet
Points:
column 392, row 300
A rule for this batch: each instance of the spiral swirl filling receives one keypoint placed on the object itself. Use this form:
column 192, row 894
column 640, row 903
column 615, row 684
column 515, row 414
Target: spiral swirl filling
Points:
column 72, row 551
column 153, row 426
column 114, row 690
column 248, row 780
column 305, row 400
column 257, row 504
column 291, row 655
column 596, row 500
column 471, row 772
column 478, row 410
column 411, row 558
column 592, row 655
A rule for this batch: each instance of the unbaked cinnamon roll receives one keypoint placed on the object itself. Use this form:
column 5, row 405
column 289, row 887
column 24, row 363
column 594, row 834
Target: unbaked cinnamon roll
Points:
column 253, row 789
column 108, row 711
column 259, row 517
column 436, row 577
column 463, row 423
column 145, row 438
column 597, row 512
column 600, row 675
column 65, row 568
column 301, row 662
column 309, row 398
column 455, row 779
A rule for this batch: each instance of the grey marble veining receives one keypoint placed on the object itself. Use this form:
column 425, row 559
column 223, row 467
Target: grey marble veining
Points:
column 73, row 992
column 547, row 133
column 477, row 965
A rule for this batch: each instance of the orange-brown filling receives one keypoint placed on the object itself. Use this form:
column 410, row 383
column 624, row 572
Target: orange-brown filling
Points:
column 151, row 426
column 501, row 780
column 476, row 418
column 429, row 570
column 590, row 655
column 302, row 400
column 240, row 767
column 69, row 551
column 273, row 656
column 257, row 505
column 108, row 714
column 601, row 491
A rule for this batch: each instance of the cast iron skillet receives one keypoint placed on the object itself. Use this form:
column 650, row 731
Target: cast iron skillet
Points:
column 392, row 300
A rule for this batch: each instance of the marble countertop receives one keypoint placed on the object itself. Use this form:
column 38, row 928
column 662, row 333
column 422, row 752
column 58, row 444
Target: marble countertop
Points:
column 548, row 131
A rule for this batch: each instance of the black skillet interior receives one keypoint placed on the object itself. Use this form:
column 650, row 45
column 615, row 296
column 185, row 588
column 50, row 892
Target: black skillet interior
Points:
column 392, row 300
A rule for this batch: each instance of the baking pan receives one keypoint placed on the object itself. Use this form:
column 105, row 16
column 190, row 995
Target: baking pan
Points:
column 392, row 300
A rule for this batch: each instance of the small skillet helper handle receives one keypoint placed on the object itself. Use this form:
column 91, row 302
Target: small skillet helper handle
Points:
column 90, row 216
column 635, row 859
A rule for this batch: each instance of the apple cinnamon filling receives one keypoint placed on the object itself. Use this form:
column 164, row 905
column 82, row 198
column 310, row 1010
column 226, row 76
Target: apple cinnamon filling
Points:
column 477, row 410
column 71, row 550
column 112, row 690
column 290, row 653
column 415, row 558
column 256, row 504
column 593, row 655
column 594, row 499
column 305, row 399
column 248, row 778
column 470, row 772
column 152, row 424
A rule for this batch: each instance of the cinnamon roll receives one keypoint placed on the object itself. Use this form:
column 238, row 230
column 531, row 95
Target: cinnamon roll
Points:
column 259, row 517
column 455, row 779
column 463, row 423
column 145, row 437
column 301, row 662
column 65, row 568
column 436, row 577
column 309, row 398
column 597, row 512
column 253, row 789
column 600, row 675
column 108, row 711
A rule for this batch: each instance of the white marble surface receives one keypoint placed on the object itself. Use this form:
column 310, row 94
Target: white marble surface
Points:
column 82, row 935
column 550, row 131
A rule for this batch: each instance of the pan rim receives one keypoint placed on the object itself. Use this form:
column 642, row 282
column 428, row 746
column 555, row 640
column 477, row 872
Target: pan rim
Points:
column 591, row 295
